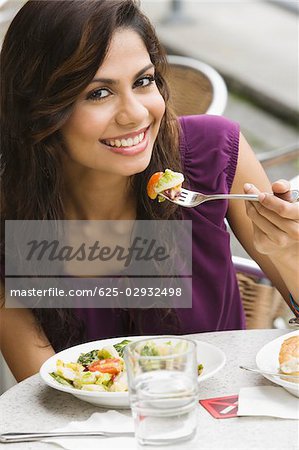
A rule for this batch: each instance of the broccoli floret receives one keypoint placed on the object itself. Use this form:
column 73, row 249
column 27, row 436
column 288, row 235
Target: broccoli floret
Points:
column 149, row 349
column 199, row 369
column 87, row 358
column 120, row 347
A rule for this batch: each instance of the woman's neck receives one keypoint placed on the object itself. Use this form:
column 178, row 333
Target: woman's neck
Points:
column 91, row 195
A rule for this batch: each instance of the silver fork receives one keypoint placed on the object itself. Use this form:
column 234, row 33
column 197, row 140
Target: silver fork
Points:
column 189, row 199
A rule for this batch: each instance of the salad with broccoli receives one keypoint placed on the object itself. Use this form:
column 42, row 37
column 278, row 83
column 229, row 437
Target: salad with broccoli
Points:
column 98, row 370
column 104, row 370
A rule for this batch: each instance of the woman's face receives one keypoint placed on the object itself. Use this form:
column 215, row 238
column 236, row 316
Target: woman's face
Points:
column 116, row 119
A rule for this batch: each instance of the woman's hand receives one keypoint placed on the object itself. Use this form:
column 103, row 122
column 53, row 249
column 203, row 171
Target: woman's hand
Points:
column 275, row 221
column 268, row 229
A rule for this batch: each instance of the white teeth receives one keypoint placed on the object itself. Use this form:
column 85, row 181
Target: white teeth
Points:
column 125, row 142
column 130, row 141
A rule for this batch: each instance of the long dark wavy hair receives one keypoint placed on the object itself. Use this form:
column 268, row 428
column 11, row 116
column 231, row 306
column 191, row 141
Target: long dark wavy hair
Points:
column 50, row 53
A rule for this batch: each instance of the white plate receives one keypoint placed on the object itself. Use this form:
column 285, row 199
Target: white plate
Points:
column 267, row 359
column 210, row 356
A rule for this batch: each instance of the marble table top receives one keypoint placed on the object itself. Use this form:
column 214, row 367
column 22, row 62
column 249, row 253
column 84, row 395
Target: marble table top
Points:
column 33, row 406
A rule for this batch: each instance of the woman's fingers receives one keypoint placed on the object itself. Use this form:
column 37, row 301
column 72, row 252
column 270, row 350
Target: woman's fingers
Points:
column 281, row 208
column 275, row 221
column 281, row 186
column 264, row 217
column 263, row 241
column 279, row 233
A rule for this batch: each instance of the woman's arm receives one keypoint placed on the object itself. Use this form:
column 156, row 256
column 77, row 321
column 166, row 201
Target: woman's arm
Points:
column 23, row 345
column 268, row 230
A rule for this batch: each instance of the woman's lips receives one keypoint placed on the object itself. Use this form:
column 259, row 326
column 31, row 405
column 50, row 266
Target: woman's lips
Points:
column 132, row 150
column 128, row 135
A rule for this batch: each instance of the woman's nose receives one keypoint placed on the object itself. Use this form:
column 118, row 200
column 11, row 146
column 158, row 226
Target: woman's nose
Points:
column 131, row 111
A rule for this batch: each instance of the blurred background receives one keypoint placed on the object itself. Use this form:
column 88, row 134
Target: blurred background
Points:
column 253, row 46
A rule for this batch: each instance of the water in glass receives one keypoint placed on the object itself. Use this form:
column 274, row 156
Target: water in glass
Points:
column 164, row 400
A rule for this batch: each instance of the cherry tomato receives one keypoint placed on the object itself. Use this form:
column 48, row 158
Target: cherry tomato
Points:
column 110, row 365
column 152, row 183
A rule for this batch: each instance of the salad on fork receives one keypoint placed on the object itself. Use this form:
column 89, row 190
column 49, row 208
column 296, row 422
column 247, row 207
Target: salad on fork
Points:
column 168, row 186
column 167, row 183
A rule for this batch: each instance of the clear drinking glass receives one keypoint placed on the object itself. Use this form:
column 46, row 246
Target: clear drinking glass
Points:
column 163, row 388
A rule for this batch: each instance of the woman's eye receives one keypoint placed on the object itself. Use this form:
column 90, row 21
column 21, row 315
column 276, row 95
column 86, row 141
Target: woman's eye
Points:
column 145, row 81
column 98, row 94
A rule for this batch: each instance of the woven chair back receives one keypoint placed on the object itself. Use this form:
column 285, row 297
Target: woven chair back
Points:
column 262, row 303
column 191, row 91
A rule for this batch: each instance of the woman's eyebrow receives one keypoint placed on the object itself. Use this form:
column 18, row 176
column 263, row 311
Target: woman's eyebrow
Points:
column 113, row 82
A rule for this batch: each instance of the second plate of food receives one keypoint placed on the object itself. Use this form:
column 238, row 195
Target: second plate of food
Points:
column 268, row 359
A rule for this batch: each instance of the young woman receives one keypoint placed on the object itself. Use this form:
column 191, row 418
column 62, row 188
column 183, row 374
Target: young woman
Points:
column 86, row 121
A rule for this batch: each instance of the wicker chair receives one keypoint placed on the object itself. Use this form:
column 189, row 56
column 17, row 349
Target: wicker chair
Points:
column 262, row 302
column 195, row 87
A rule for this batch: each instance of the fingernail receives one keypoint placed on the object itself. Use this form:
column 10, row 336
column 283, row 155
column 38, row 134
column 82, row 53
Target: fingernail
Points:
column 247, row 186
column 262, row 197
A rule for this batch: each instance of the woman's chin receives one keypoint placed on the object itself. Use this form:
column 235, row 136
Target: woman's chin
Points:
column 131, row 168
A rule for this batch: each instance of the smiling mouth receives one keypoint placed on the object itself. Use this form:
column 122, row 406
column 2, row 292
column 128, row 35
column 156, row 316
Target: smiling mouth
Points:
column 125, row 142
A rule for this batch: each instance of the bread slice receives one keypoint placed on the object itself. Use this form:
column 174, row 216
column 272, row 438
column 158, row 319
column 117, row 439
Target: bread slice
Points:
column 289, row 357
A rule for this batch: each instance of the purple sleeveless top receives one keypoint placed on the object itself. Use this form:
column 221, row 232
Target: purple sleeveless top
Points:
column 209, row 150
